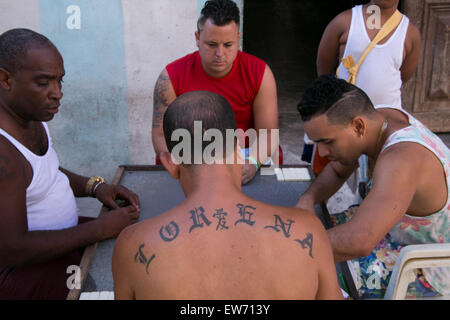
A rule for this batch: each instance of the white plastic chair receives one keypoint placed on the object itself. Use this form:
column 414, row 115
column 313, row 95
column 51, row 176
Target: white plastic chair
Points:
column 413, row 257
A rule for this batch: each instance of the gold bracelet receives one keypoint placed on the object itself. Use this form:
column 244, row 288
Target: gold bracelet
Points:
column 90, row 183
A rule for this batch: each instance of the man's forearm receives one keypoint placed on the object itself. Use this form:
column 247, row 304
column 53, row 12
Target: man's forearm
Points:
column 77, row 183
column 325, row 185
column 347, row 244
column 41, row 246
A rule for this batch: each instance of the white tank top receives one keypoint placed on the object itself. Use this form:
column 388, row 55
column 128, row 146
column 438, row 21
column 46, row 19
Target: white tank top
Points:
column 379, row 75
column 50, row 200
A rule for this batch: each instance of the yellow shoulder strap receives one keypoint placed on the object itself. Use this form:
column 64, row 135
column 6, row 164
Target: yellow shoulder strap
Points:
column 387, row 28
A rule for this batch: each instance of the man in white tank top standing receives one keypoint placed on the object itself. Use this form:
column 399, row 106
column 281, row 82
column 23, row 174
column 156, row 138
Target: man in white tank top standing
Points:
column 40, row 234
column 388, row 65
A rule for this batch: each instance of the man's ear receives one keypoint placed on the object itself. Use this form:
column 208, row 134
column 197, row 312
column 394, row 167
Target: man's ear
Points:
column 197, row 38
column 171, row 167
column 5, row 79
column 359, row 126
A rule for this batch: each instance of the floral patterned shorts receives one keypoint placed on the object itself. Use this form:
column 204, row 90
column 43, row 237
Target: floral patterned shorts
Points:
column 374, row 271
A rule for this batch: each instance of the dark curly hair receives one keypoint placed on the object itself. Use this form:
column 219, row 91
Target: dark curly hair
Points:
column 221, row 12
column 14, row 45
column 339, row 100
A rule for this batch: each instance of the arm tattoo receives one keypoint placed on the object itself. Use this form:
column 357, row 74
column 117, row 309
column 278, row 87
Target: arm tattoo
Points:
column 141, row 258
column 160, row 102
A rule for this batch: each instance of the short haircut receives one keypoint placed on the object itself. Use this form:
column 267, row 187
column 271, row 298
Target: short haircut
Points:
column 210, row 108
column 14, row 45
column 339, row 100
column 221, row 12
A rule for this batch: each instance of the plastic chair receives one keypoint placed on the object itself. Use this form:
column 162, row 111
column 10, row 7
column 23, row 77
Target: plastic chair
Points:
column 414, row 257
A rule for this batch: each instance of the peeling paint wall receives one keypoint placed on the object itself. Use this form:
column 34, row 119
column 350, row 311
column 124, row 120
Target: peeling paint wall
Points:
column 113, row 52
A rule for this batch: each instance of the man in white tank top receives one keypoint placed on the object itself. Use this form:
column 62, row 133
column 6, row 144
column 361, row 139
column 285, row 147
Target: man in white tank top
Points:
column 389, row 64
column 39, row 231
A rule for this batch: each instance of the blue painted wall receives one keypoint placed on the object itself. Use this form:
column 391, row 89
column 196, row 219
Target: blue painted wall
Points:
column 91, row 132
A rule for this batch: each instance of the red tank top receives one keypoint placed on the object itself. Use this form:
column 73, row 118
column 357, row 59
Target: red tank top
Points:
column 239, row 87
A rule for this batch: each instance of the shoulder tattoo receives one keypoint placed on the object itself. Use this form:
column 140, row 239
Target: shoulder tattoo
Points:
column 244, row 214
column 141, row 258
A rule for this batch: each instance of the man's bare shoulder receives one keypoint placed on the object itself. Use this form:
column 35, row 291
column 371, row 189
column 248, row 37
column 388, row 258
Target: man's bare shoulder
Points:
column 406, row 150
column 220, row 236
column 342, row 21
column 288, row 211
column 304, row 221
column 413, row 38
column 147, row 229
column 408, row 159
column 167, row 226
column 413, row 32
column 12, row 164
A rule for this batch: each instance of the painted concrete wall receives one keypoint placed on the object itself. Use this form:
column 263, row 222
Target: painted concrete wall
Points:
column 113, row 52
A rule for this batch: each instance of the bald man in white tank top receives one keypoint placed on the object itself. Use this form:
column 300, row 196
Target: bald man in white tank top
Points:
column 40, row 236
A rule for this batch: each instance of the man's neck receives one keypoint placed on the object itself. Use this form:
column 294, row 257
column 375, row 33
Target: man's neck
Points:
column 210, row 182
column 385, row 13
column 10, row 119
column 377, row 138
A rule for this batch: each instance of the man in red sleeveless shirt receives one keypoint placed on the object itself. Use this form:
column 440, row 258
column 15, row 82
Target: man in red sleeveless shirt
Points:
column 219, row 66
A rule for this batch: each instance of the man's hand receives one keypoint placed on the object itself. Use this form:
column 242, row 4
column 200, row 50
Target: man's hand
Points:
column 114, row 221
column 248, row 172
column 108, row 193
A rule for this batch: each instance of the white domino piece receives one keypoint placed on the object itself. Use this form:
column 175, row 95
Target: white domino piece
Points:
column 279, row 173
column 289, row 174
column 89, row 295
column 97, row 295
column 296, row 174
column 303, row 174
column 106, row 295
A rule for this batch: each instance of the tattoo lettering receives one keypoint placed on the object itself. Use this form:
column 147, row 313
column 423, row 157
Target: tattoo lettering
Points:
column 141, row 258
column 196, row 215
column 307, row 243
column 169, row 232
column 160, row 102
column 246, row 216
column 220, row 215
column 279, row 223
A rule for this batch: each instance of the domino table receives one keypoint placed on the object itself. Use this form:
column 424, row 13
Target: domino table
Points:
column 158, row 192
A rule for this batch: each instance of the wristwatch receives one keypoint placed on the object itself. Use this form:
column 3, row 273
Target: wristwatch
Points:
column 93, row 181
